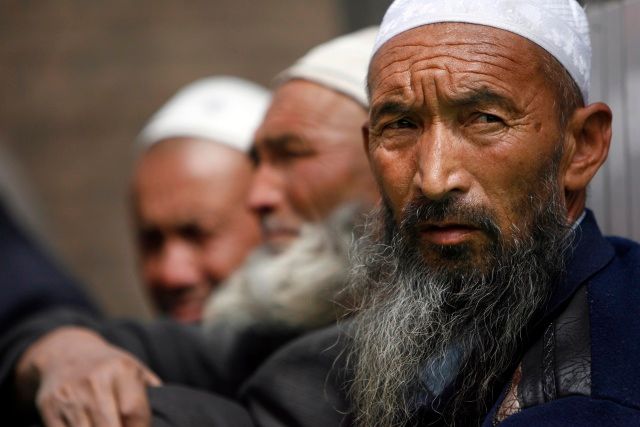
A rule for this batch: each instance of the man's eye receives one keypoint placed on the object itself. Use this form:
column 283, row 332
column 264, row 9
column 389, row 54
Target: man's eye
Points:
column 401, row 124
column 151, row 240
column 194, row 233
column 296, row 153
column 288, row 154
column 254, row 156
column 488, row 118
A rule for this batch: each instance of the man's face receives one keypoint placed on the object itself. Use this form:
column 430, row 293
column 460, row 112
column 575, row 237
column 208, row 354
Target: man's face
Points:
column 465, row 143
column 192, row 223
column 309, row 159
column 461, row 119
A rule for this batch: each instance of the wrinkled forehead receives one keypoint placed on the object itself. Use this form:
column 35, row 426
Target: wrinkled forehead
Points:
column 302, row 108
column 468, row 54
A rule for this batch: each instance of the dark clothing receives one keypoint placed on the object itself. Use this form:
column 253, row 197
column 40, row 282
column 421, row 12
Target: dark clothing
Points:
column 609, row 271
column 303, row 383
column 181, row 406
column 29, row 280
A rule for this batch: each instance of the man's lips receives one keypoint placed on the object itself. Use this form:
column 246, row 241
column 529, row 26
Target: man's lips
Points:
column 184, row 304
column 187, row 311
column 446, row 234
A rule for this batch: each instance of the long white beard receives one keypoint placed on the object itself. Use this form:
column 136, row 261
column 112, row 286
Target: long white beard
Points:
column 420, row 327
column 297, row 289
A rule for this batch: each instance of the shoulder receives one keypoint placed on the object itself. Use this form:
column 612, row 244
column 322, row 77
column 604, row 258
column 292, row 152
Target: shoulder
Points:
column 302, row 383
column 614, row 302
column 627, row 252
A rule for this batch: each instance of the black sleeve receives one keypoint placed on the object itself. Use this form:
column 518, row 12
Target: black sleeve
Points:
column 302, row 384
column 178, row 406
column 177, row 353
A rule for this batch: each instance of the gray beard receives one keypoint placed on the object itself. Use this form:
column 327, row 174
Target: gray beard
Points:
column 297, row 289
column 421, row 327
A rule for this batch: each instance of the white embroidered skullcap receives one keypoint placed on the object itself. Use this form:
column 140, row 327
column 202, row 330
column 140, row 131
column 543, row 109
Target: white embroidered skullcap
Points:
column 558, row 26
column 340, row 64
column 226, row 110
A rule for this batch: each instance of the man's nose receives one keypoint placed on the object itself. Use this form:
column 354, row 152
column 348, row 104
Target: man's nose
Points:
column 176, row 266
column 440, row 172
column 266, row 194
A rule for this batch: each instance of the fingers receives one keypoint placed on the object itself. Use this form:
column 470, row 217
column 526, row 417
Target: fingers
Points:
column 131, row 396
column 51, row 417
column 112, row 395
column 84, row 381
column 104, row 410
column 77, row 418
column 63, row 409
column 150, row 378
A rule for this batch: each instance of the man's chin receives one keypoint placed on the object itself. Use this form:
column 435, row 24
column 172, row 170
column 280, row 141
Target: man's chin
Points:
column 184, row 312
column 279, row 243
column 189, row 315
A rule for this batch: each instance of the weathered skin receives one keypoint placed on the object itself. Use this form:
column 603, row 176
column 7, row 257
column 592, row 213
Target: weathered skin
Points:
column 193, row 226
column 310, row 159
column 458, row 110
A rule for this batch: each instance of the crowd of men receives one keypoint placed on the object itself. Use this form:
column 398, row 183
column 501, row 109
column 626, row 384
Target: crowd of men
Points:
column 397, row 235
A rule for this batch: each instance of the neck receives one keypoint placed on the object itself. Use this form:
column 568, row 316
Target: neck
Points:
column 576, row 202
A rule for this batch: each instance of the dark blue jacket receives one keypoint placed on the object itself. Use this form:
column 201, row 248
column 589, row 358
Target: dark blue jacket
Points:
column 606, row 273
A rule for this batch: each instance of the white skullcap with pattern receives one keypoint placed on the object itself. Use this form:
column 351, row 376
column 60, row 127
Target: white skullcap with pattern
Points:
column 558, row 26
column 340, row 64
column 222, row 109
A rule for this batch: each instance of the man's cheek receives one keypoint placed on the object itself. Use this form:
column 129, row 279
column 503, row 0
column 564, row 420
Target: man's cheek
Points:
column 395, row 179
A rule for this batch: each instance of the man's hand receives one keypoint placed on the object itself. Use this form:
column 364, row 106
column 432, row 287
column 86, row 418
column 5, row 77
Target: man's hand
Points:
column 80, row 380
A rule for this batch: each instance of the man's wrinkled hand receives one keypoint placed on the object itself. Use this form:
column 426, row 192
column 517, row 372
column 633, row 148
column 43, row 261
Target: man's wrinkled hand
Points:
column 78, row 379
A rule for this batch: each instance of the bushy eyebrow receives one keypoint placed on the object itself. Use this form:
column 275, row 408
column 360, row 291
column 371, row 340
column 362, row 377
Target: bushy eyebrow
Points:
column 482, row 96
column 387, row 108
column 276, row 145
column 282, row 141
column 472, row 98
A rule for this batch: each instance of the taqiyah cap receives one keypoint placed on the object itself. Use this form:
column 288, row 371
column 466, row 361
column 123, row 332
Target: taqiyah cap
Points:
column 558, row 26
column 222, row 109
column 340, row 64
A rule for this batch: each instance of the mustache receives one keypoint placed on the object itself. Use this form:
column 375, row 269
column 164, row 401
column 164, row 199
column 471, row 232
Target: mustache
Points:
column 451, row 209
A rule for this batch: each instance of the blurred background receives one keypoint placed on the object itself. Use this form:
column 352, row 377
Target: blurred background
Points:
column 79, row 79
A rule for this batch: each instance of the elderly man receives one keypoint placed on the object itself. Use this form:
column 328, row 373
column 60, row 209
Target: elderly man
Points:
column 189, row 189
column 483, row 143
column 311, row 184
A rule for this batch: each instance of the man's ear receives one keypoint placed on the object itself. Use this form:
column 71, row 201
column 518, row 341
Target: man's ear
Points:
column 589, row 131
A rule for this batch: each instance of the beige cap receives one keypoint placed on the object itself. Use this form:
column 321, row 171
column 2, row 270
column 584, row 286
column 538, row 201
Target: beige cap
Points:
column 340, row 64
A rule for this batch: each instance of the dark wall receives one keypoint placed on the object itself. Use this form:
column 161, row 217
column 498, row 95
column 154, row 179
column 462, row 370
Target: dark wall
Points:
column 78, row 79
